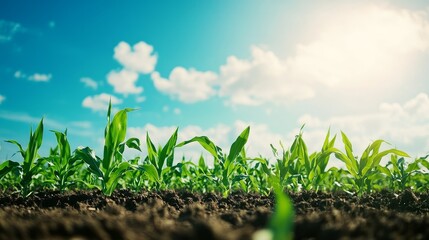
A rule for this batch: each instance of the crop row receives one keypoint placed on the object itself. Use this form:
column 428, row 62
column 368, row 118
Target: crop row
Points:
column 294, row 167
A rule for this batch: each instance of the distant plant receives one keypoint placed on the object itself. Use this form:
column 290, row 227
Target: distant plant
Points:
column 365, row 169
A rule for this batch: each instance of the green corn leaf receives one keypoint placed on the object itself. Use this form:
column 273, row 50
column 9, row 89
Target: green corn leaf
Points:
column 349, row 163
column 151, row 172
column 133, row 143
column 7, row 167
column 385, row 170
column 167, row 150
column 116, row 133
column 205, row 142
column 238, row 144
column 89, row 157
column 151, row 151
column 348, row 146
column 21, row 150
column 115, row 176
column 425, row 163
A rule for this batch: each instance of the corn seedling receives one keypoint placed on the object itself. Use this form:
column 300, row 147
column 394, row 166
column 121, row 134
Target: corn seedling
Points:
column 109, row 170
column 365, row 169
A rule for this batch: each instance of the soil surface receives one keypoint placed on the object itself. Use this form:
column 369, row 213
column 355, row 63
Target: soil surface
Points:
column 184, row 215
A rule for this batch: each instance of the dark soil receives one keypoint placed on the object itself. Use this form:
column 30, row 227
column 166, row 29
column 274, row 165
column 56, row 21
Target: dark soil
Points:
column 184, row 215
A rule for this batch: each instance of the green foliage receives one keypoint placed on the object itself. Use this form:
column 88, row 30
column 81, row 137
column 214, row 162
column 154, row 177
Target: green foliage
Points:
column 365, row 169
column 62, row 164
column 226, row 166
column 293, row 168
column 32, row 164
column 110, row 169
column 158, row 165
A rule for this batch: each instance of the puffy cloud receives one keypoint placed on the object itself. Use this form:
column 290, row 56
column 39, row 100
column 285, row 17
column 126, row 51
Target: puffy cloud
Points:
column 89, row 82
column 8, row 30
column 124, row 81
column 40, row 77
column 139, row 58
column 356, row 49
column 187, row 85
column 36, row 77
column 404, row 125
column 262, row 79
column 100, row 102
column 2, row 98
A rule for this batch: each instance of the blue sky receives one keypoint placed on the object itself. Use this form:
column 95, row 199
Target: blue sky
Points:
column 214, row 67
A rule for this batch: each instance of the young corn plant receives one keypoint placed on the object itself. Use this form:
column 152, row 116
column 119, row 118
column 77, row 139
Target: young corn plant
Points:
column 158, row 165
column 317, row 162
column 225, row 165
column 32, row 164
column 400, row 173
column 365, row 169
column 62, row 164
column 110, row 169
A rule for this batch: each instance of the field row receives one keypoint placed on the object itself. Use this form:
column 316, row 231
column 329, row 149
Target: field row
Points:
column 294, row 169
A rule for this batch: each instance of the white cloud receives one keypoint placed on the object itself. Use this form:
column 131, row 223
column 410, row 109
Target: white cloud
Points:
column 100, row 102
column 186, row 85
column 124, row 81
column 8, row 30
column 36, row 77
column 406, row 126
column 140, row 58
column 2, row 98
column 262, row 79
column 40, row 77
column 351, row 50
column 89, row 82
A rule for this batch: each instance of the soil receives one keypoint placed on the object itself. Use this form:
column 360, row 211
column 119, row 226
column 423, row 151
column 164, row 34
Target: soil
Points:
column 184, row 215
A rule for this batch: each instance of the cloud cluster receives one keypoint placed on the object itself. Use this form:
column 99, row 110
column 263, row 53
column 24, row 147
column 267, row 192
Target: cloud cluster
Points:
column 357, row 49
column 100, row 102
column 139, row 58
column 405, row 125
column 36, row 77
column 136, row 60
column 2, row 98
column 186, row 85
column 124, row 81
